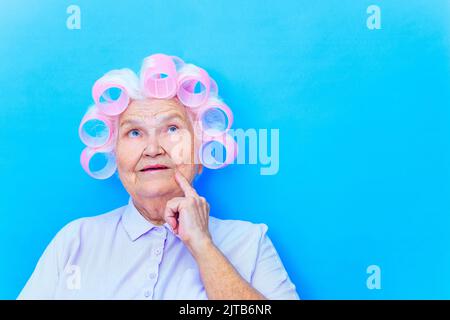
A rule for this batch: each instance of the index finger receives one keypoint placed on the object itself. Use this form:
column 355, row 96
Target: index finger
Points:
column 188, row 190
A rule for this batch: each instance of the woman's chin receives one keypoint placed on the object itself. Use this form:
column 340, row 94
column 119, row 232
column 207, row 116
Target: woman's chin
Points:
column 156, row 187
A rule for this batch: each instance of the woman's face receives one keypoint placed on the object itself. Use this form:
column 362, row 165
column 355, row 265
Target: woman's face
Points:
column 155, row 137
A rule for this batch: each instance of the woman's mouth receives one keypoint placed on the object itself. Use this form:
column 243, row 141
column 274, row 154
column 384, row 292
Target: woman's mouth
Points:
column 154, row 168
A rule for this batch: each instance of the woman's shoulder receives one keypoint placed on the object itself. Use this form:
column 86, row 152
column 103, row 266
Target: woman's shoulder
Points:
column 232, row 223
column 237, row 231
column 240, row 241
column 90, row 224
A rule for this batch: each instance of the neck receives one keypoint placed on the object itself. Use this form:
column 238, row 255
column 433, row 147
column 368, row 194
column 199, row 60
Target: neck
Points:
column 152, row 209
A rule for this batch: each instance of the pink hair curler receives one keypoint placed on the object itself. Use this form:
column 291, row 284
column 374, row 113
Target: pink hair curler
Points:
column 109, row 106
column 159, row 76
column 214, row 118
column 213, row 88
column 190, row 78
column 107, row 170
column 213, row 147
column 179, row 63
column 96, row 129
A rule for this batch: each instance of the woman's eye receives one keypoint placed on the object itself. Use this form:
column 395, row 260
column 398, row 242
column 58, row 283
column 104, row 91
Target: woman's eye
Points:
column 172, row 129
column 133, row 133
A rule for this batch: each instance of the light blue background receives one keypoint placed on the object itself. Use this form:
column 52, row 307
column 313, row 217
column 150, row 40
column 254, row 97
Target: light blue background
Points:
column 363, row 117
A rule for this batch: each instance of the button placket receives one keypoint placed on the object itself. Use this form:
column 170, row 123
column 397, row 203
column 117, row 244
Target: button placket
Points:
column 155, row 258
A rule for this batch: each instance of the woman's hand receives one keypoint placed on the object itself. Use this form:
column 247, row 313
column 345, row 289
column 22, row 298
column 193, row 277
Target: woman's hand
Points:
column 188, row 216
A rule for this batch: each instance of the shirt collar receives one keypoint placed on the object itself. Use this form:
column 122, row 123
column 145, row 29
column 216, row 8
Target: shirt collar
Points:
column 135, row 224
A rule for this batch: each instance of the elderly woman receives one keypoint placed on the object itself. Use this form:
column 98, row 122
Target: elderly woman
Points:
column 163, row 244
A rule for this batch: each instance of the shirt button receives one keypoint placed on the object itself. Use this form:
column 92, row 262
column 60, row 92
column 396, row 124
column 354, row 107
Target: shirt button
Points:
column 157, row 251
column 152, row 275
column 147, row 294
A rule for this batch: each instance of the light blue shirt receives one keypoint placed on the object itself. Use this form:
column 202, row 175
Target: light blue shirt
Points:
column 121, row 255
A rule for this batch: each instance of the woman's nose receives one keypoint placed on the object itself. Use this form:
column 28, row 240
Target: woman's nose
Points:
column 153, row 147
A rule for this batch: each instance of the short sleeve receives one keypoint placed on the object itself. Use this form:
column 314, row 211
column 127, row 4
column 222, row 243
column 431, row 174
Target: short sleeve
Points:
column 43, row 281
column 270, row 277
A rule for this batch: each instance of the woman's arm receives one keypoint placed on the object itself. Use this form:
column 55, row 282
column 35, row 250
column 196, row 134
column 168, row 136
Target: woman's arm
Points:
column 220, row 278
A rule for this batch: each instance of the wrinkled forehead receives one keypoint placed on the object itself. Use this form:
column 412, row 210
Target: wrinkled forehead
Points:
column 155, row 110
